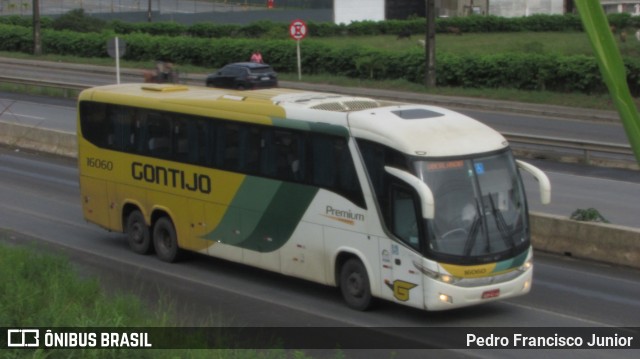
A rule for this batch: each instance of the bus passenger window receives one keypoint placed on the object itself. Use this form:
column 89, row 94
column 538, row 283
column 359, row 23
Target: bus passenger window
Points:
column 95, row 125
column 200, row 144
column 159, row 135
column 288, row 156
column 228, row 142
column 324, row 169
column 250, row 149
column 124, row 133
column 180, row 140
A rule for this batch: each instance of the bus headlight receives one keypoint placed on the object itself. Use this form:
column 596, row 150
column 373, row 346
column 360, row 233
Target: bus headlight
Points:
column 445, row 298
column 445, row 278
column 526, row 266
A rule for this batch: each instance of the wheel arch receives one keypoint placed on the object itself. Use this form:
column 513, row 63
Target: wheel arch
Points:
column 159, row 212
column 129, row 207
column 342, row 256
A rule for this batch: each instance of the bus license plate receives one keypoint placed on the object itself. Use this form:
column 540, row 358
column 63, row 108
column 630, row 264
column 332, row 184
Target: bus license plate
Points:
column 491, row 294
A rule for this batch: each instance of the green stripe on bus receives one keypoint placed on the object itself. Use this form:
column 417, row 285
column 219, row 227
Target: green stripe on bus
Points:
column 511, row 263
column 281, row 217
column 263, row 214
column 292, row 124
column 245, row 210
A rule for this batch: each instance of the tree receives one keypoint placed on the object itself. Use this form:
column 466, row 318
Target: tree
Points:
column 37, row 43
column 430, row 45
column 76, row 20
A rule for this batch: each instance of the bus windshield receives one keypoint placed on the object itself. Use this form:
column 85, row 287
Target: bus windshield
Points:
column 480, row 213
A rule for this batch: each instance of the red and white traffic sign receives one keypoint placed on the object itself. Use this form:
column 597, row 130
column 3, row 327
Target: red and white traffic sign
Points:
column 298, row 29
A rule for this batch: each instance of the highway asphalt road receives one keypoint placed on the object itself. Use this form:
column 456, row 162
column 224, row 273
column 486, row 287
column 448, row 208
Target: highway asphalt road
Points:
column 40, row 199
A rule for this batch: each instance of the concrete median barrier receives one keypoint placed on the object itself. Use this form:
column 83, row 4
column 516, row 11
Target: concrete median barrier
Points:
column 601, row 242
column 39, row 139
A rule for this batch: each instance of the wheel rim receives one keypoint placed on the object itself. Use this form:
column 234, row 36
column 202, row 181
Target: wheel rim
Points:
column 355, row 285
column 165, row 241
column 137, row 231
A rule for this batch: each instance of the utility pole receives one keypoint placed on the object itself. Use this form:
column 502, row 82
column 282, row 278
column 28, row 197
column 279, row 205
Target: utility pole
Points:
column 37, row 43
column 149, row 12
column 430, row 45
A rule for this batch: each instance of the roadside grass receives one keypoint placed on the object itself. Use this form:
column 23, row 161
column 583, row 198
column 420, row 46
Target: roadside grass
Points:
column 570, row 99
column 558, row 43
column 40, row 289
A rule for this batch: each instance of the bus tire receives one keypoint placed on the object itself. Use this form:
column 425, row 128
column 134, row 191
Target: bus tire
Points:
column 165, row 240
column 355, row 285
column 138, row 234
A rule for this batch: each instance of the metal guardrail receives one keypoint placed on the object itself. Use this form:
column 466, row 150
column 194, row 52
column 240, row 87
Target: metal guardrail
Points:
column 45, row 83
column 65, row 86
column 587, row 148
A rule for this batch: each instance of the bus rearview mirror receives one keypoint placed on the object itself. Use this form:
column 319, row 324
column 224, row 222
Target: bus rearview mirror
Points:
column 541, row 177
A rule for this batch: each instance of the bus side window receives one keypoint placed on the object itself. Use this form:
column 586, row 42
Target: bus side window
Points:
column 227, row 146
column 375, row 157
column 159, row 135
column 347, row 177
column 333, row 168
column 136, row 139
column 124, row 135
column 288, row 151
column 403, row 218
column 323, row 162
column 96, row 127
column 250, row 148
column 268, row 154
column 200, row 142
column 180, row 140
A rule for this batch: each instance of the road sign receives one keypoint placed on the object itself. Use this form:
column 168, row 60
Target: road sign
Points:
column 298, row 29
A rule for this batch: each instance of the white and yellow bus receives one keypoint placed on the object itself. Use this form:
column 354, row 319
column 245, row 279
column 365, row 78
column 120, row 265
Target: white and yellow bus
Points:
column 410, row 203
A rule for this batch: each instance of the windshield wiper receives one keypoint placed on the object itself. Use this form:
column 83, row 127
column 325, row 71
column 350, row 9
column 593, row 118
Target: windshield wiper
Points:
column 501, row 224
column 473, row 231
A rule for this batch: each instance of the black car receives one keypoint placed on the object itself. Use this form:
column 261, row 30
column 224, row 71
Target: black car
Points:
column 243, row 75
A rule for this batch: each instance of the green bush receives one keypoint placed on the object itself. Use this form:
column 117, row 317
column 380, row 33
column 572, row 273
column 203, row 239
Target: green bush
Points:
column 588, row 215
column 74, row 43
column 16, row 38
column 76, row 20
column 208, row 30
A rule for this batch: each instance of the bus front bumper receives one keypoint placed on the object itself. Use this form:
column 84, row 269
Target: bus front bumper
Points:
column 442, row 296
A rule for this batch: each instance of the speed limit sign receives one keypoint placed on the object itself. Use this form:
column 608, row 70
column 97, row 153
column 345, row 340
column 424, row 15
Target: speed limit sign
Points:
column 298, row 29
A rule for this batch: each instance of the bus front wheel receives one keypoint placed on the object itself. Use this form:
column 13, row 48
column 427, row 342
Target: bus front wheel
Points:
column 138, row 234
column 354, row 285
column 165, row 240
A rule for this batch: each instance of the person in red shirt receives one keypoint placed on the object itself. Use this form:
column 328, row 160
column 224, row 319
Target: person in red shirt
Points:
column 256, row 57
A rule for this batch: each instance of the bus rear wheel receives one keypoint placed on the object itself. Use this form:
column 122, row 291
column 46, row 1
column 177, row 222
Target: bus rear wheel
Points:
column 138, row 234
column 354, row 285
column 165, row 240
